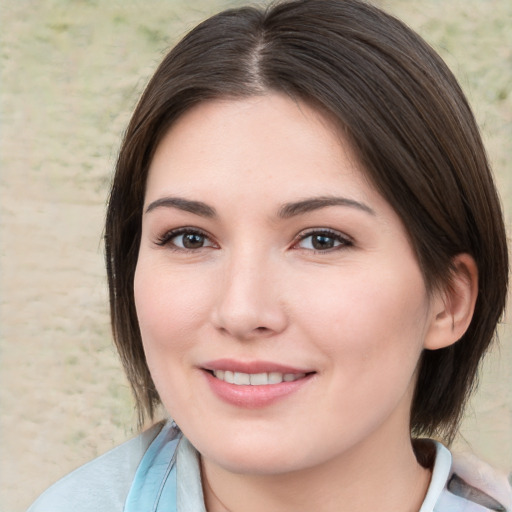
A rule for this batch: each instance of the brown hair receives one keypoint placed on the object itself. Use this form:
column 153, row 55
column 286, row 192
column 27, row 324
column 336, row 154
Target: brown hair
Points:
column 407, row 120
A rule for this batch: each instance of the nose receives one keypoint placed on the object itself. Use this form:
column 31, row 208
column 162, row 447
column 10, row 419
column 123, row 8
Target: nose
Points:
column 250, row 301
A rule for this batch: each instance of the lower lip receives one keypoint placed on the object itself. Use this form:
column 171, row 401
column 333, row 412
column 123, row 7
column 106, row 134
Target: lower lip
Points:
column 254, row 397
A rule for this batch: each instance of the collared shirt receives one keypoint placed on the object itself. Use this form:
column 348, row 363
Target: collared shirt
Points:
column 167, row 478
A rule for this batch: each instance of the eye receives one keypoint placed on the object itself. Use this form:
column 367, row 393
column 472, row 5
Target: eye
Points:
column 186, row 239
column 323, row 240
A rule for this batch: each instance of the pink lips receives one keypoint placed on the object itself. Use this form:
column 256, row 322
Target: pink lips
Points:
column 248, row 396
column 251, row 366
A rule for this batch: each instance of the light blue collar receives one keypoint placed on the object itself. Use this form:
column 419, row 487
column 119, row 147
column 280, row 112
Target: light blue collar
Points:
column 168, row 478
column 190, row 489
column 154, row 485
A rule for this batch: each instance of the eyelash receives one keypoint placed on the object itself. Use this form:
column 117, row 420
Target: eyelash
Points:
column 166, row 238
column 338, row 238
column 343, row 240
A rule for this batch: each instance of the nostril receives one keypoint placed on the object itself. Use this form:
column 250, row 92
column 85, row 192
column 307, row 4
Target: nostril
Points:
column 262, row 330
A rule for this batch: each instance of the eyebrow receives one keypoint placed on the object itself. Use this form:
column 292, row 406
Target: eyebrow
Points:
column 316, row 203
column 286, row 211
column 187, row 205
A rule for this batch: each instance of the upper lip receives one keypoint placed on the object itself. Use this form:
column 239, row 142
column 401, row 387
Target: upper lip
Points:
column 251, row 366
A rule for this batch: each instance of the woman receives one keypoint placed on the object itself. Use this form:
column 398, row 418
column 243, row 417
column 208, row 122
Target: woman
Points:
column 307, row 261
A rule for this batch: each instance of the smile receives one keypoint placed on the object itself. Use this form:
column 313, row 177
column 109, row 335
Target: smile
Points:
column 256, row 384
column 256, row 379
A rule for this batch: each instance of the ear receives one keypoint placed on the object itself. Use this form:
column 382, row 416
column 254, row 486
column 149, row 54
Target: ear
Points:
column 452, row 307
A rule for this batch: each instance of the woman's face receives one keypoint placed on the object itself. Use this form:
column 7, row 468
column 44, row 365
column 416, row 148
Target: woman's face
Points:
column 281, row 306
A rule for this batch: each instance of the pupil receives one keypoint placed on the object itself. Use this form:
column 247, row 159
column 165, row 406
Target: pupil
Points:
column 193, row 241
column 323, row 242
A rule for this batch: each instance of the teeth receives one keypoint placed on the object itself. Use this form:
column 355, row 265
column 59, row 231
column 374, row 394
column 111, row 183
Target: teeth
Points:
column 242, row 378
column 259, row 379
column 256, row 379
column 275, row 378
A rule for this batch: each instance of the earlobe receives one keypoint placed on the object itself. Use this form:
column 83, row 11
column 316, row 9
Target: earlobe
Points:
column 453, row 306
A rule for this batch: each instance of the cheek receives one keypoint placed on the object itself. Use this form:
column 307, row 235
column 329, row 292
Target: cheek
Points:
column 170, row 312
column 367, row 317
column 168, row 306
column 371, row 328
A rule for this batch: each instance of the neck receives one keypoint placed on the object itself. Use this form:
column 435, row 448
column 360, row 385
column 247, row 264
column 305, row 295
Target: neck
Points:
column 372, row 476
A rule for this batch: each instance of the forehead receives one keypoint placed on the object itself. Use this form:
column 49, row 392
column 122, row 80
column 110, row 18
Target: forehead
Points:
column 261, row 144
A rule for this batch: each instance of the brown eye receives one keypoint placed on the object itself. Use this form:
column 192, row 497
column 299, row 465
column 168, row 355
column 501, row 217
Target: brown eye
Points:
column 323, row 241
column 186, row 239
column 191, row 240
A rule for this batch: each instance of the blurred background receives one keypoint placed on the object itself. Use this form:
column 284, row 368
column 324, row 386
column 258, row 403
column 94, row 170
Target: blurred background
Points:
column 71, row 73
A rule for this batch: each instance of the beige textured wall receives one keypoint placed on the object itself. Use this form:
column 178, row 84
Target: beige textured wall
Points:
column 71, row 73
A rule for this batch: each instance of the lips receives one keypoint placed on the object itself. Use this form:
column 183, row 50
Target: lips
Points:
column 253, row 367
column 254, row 384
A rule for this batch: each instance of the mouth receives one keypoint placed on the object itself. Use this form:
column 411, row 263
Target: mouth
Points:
column 254, row 384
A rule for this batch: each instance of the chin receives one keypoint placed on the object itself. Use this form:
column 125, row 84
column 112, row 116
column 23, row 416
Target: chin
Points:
column 254, row 464
column 257, row 456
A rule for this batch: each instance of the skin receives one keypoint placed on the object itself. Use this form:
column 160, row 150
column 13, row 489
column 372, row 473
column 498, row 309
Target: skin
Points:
column 355, row 312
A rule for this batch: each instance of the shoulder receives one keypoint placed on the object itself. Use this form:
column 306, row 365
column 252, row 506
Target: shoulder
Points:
column 100, row 485
column 464, row 483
